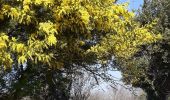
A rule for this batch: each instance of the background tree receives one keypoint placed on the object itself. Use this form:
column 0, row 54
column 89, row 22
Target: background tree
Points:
column 149, row 69
column 82, row 86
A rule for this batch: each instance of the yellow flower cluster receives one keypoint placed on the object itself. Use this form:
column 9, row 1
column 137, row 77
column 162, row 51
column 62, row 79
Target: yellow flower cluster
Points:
column 125, row 43
column 61, row 27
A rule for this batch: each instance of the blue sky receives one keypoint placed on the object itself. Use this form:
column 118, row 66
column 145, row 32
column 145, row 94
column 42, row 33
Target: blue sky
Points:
column 133, row 4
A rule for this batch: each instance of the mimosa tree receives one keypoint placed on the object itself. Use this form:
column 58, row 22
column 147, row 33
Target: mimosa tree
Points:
column 68, row 34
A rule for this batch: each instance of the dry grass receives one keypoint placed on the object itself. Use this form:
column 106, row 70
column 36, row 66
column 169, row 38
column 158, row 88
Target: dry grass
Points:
column 119, row 94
